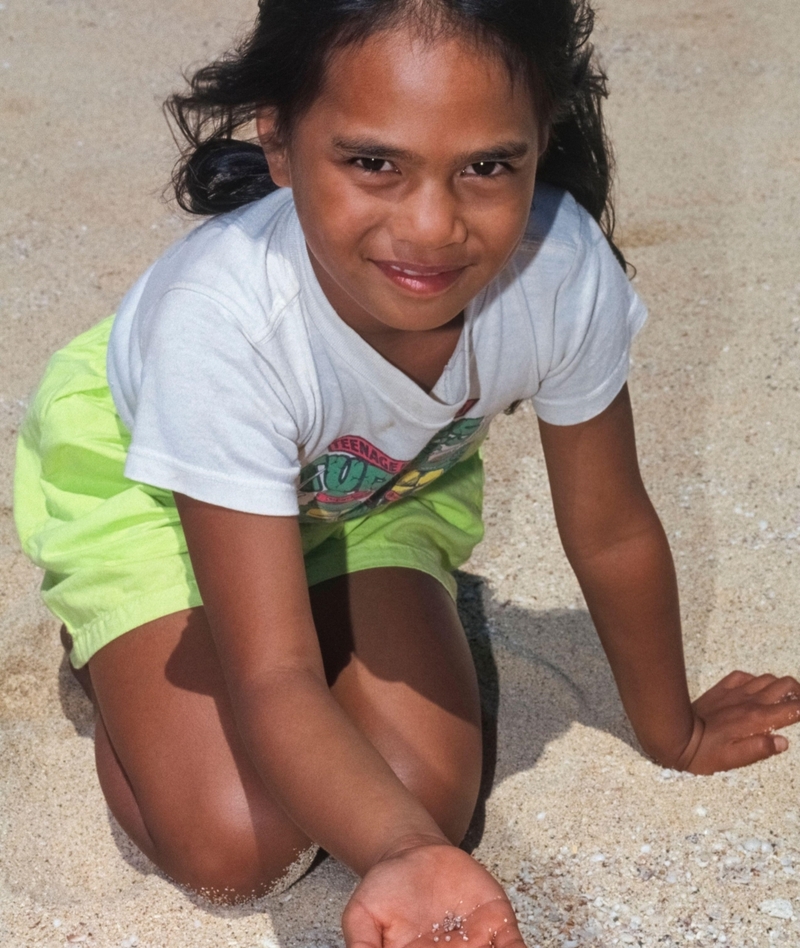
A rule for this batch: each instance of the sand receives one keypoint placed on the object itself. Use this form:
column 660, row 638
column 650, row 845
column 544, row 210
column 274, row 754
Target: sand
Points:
column 598, row 846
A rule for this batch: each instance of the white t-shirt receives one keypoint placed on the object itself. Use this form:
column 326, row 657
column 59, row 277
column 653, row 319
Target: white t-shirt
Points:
column 242, row 387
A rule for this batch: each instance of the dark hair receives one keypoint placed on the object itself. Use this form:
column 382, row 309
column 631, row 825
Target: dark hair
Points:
column 281, row 65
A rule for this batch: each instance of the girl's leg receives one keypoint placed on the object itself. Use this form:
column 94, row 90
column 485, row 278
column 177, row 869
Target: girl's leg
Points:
column 172, row 766
column 398, row 662
column 174, row 771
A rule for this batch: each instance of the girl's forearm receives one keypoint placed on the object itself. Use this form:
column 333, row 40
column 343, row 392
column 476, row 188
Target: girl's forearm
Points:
column 329, row 779
column 618, row 549
column 632, row 594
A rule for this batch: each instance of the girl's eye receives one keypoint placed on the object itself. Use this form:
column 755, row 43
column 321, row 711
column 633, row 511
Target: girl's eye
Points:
column 373, row 165
column 486, row 169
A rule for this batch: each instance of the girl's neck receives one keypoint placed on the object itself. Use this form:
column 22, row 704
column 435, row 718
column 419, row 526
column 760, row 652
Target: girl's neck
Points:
column 422, row 355
column 419, row 354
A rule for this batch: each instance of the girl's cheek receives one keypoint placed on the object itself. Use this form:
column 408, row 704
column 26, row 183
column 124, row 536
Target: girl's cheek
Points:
column 344, row 196
column 360, row 211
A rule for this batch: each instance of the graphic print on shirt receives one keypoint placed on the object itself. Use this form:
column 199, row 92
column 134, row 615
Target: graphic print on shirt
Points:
column 353, row 476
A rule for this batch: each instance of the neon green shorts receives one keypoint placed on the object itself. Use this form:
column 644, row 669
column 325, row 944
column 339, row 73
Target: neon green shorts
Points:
column 113, row 550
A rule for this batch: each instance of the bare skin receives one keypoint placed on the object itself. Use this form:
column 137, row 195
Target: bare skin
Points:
column 174, row 768
column 620, row 554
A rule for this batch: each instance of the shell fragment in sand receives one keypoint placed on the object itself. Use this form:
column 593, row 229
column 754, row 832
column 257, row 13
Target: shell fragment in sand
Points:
column 777, row 908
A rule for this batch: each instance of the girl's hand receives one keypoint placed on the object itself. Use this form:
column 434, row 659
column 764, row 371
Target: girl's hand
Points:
column 430, row 895
column 736, row 719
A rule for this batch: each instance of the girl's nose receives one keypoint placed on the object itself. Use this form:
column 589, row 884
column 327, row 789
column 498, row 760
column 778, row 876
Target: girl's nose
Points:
column 430, row 218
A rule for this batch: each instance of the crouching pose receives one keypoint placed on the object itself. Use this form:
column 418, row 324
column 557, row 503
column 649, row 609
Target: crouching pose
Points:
column 249, row 488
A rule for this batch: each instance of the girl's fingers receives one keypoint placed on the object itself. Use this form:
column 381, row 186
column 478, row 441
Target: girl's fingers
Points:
column 733, row 680
column 733, row 754
column 757, row 683
column 508, row 937
column 785, row 689
column 752, row 749
column 360, row 930
column 724, row 692
column 490, row 925
column 730, row 691
column 493, row 929
column 770, row 717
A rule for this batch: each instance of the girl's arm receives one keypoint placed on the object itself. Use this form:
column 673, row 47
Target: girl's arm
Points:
column 328, row 777
column 617, row 547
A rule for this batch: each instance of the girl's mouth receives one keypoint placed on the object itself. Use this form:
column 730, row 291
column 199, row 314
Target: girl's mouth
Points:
column 417, row 278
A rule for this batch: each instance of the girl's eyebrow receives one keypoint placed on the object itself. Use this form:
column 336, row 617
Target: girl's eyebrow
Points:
column 503, row 151
column 371, row 148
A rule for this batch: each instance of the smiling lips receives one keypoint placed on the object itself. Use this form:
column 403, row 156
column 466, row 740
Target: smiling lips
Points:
column 417, row 278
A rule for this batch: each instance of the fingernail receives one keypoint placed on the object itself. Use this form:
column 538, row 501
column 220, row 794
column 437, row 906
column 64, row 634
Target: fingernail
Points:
column 779, row 743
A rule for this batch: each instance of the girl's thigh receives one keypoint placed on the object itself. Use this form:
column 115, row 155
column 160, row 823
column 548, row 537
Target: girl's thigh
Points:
column 174, row 769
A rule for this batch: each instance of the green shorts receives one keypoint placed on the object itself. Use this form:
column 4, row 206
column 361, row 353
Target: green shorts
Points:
column 113, row 550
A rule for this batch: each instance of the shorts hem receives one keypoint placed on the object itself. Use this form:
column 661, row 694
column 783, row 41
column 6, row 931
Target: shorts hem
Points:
column 89, row 639
column 319, row 573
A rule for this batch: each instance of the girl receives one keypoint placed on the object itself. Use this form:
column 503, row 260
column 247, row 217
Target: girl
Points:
column 249, row 498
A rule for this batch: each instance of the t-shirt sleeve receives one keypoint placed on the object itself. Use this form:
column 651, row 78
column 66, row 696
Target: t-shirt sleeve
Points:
column 596, row 315
column 210, row 417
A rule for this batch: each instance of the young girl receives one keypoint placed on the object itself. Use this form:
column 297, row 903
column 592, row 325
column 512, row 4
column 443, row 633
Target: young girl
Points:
column 250, row 490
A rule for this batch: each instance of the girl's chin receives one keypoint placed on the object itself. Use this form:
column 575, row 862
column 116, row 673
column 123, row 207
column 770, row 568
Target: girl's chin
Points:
column 411, row 320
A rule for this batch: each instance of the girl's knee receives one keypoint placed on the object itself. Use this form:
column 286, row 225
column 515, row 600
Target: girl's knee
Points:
column 225, row 860
column 224, row 870
column 227, row 847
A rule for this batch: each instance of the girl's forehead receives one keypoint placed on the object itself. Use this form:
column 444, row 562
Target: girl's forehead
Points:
column 404, row 55
column 400, row 79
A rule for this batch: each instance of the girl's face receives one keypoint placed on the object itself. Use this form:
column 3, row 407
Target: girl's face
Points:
column 413, row 175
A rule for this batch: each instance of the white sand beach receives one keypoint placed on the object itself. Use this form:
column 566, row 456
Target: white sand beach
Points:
column 598, row 846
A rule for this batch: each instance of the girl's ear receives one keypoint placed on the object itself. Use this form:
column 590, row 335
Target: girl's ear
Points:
column 274, row 151
column 544, row 139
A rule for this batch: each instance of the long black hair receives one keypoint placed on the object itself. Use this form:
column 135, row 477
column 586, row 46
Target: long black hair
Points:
column 281, row 65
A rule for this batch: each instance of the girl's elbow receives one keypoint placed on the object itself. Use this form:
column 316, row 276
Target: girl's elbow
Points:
column 636, row 534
